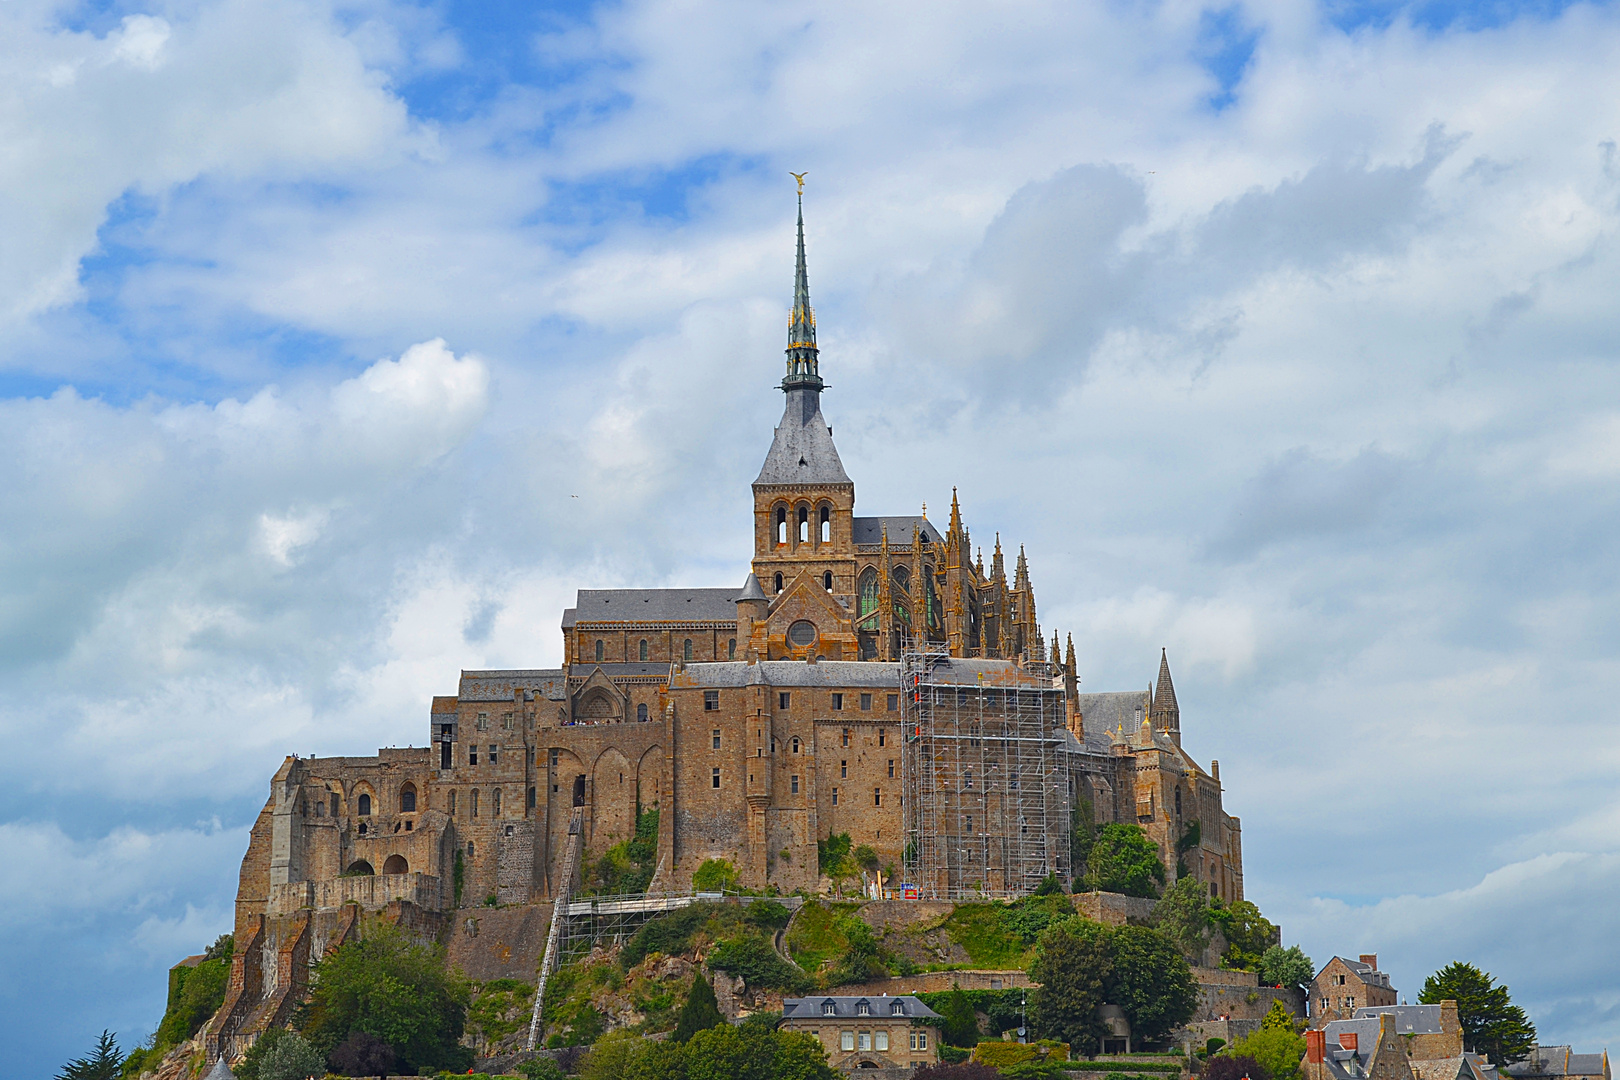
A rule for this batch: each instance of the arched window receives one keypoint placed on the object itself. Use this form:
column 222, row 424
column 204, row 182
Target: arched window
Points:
column 781, row 525
column 1178, row 802
column 868, row 593
column 365, row 805
column 643, row 652
column 804, row 524
column 686, row 650
column 641, row 712
column 778, row 582
column 407, row 799
column 396, row 865
column 826, row 580
column 826, row 524
column 731, row 649
column 359, row 868
column 334, row 804
column 474, row 807
column 598, row 650
column 902, row 577
column 362, row 828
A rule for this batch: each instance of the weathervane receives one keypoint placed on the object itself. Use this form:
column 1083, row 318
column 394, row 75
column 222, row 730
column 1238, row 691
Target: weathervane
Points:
column 799, row 176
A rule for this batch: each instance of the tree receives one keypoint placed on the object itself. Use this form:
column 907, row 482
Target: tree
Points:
column 1082, row 834
column 1279, row 1018
column 1124, row 860
column 1278, row 1050
column 612, row 1057
column 1491, row 1024
column 1233, row 1067
column 961, row 1026
column 102, row 1063
column 1248, row 934
column 1150, row 982
column 715, row 875
column 387, row 986
column 294, row 1058
column 1070, row 972
column 700, row 1012
column 543, row 1068
column 1049, row 886
column 1286, row 967
column 1183, row 916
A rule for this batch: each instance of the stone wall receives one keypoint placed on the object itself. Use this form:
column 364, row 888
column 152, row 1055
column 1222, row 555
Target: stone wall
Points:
column 499, row 943
column 932, row 982
column 371, row 891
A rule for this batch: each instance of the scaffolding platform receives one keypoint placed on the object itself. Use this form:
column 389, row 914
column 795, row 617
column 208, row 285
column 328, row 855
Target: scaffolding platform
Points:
column 984, row 774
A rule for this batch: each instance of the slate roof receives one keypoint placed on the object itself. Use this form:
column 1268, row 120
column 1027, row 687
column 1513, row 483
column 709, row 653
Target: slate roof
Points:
column 791, row 673
column 811, row 1008
column 1409, row 1019
column 802, row 450
column 220, row 1071
column 902, row 530
column 652, row 605
column 1557, row 1061
column 632, row 670
column 499, row 685
column 1104, row 712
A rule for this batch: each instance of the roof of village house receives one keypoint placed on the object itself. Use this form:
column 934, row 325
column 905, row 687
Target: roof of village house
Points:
column 1558, row 1061
column 499, row 685
column 1409, row 1019
column 1451, row 1068
column 652, row 605
column 1365, row 972
column 849, row 1007
column 902, row 530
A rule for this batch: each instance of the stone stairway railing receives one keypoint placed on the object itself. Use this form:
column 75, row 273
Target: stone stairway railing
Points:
column 559, row 915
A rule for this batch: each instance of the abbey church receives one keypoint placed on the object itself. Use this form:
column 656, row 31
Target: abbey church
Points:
column 868, row 675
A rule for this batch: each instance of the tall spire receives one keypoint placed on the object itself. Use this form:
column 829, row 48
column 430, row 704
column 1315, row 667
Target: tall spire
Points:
column 1164, row 712
column 802, row 365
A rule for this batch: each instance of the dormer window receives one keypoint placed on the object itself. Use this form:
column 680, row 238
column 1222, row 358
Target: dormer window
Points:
column 828, row 1008
column 897, row 1008
column 863, row 1008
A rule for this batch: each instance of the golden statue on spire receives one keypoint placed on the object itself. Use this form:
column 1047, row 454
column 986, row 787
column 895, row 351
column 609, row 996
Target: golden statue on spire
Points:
column 799, row 176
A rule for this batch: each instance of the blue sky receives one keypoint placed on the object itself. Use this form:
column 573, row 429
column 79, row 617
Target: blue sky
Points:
column 1281, row 334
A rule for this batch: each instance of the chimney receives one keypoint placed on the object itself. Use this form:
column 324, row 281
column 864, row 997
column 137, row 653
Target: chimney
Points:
column 1370, row 959
column 1315, row 1046
column 1349, row 1040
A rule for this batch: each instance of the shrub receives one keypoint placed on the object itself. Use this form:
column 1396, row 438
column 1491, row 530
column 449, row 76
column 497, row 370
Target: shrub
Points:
column 541, row 1068
column 966, row 1070
column 1278, row 1050
column 700, row 1012
column 669, row 934
column 715, row 875
column 757, row 964
column 1233, row 1067
column 1124, row 860
column 360, row 1054
column 953, row 1055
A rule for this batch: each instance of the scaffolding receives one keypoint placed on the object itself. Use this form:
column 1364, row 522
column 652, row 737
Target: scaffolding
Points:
column 985, row 775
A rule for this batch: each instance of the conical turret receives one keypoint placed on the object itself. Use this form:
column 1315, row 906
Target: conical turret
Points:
column 802, row 363
column 1165, row 713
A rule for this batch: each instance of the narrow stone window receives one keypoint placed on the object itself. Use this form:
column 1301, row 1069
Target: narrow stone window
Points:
column 452, row 804
column 826, row 580
column 469, row 849
column 642, row 652
column 599, row 649
column 641, row 713
column 843, row 770
column 804, row 525
column 883, row 737
column 473, row 805
column 493, row 749
column 795, row 785
column 472, row 753
column 795, row 750
column 835, row 796
column 495, row 803
column 715, row 736
column 891, row 768
column 783, row 700
column 731, row 649
column 365, row 805
column 483, row 721
column 894, row 702
column 778, row 582
column 781, row 536
column 714, row 777
column 866, row 703
column 554, row 754
column 838, row 702
column 877, row 796
column 407, row 799
column 334, row 804
column 844, row 737
column 826, row 529
column 506, row 721
column 530, row 800
column 686, row 650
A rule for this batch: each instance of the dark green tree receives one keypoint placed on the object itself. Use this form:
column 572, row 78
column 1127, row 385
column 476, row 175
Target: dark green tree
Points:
column 1491, row 1024
column 102, row 1063
column 1071, row 972
column 1124, row 860
column 1049, row 886
column 1150, row 981
column 1286, row 967
column 388, row 986
column 700, row 1012
column 1183, row 916
column 1248, row 934
column 961, row 1026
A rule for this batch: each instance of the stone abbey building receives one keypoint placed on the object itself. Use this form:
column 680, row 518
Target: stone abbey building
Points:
column 870, row 675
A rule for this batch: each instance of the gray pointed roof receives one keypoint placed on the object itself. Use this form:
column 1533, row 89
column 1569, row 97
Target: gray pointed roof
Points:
column 751, row 590
column 802, row 451
column 220, row 1071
